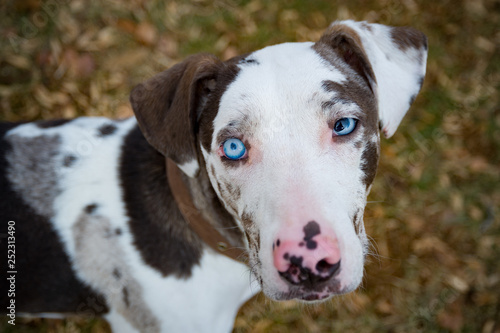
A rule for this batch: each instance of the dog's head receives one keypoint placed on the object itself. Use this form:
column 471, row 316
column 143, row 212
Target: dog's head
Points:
column 289, row 136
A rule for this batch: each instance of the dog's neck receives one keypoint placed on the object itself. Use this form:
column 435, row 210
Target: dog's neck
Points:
column 162, row 236
column 208, row 203
column 206, row 218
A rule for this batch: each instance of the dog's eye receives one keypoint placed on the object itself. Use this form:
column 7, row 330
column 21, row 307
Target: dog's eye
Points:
column 344, row 126
column 234, row 149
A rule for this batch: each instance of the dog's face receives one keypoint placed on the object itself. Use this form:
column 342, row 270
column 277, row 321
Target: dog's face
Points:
column 289, row 136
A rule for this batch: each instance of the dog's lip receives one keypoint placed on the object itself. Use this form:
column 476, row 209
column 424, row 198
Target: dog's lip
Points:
column 311, row 297
column 306, row 296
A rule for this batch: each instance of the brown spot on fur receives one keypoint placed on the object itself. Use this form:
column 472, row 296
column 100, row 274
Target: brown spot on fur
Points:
column 234, row 191
column 225, row 75
column 228, row 193
column 340, row 42
column 369, row 162
column 69, row 160
column 406, row 37
column 102, row 262
column 366, row 26
column 412, row 98
column 252, row 233
column 357, row 221
column 247, row 220
column 125, row 297
column 107, row 129
column 354, row 91
column 90, row 209
column 117, row 274
column 421, row 82
column 33, row 170
column 212, row 170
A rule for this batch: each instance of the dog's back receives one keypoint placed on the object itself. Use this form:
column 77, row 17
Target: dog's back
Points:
column 45, row 165
column 95, row 231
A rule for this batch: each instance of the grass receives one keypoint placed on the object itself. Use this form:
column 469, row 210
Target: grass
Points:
column 433, row 219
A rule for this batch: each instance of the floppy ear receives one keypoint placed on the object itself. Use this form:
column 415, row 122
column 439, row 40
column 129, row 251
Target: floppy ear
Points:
column 166, row 107
column 391, row 59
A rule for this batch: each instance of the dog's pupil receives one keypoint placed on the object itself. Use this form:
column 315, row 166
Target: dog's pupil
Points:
column 233, row 146
column 339, row 126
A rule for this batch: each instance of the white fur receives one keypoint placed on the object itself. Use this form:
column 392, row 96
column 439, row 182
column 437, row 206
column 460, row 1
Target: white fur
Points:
column 190, row 168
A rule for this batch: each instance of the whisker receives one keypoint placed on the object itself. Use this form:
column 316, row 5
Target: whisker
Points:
column 227, row 228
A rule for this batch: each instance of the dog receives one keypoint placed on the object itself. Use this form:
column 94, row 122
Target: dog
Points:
column 233, row 177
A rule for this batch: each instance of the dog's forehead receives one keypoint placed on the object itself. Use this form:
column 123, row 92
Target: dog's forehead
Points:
column 276, row 82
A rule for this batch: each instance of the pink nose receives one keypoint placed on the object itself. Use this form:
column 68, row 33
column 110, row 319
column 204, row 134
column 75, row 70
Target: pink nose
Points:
column 306, row 258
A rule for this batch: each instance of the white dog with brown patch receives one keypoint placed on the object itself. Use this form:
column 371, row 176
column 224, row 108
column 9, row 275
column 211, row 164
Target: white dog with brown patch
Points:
column 262, row 161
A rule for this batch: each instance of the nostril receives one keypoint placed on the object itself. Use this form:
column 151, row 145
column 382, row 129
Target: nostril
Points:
column 325, row 269
column 296, row 274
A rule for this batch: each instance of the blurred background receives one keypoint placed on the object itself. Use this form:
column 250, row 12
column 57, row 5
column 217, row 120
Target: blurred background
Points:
column 433, row 213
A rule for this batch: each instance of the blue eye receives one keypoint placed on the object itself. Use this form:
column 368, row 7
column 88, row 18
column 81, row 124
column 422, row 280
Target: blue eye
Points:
column 344, row 126
column 234, row 149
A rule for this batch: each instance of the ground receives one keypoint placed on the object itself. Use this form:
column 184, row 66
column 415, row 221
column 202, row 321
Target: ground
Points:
column 433, row 216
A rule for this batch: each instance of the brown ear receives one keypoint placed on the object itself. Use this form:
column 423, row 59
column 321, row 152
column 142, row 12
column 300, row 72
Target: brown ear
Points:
column 166, row 106
column 346, row 43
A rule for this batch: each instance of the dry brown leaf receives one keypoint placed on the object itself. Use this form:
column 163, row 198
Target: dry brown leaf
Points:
column 18, row 61
column 124, row 111
column 416, row 223
column 229, row 52
column 357, row 302
column 435, row 246
column 126, row 25
column 127, row 59
column 146, row 33
column 451, row 317
column 458, row 283
column 80, row 65
column 168, row 46
column 43, row 96
column 262, row 325
column 384, row 307
column 105, row 38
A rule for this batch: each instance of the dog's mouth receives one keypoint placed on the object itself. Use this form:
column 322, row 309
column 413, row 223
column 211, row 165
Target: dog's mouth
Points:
column 315, row 297
column 304, row 295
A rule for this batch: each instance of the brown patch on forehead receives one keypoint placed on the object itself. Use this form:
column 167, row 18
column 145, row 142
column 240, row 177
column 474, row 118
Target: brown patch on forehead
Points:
column 228, row 71
column 341, row 46
column 369, row 162
column 341, row 29
column 358, row 93
column 235, row 128
column 406, row 37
